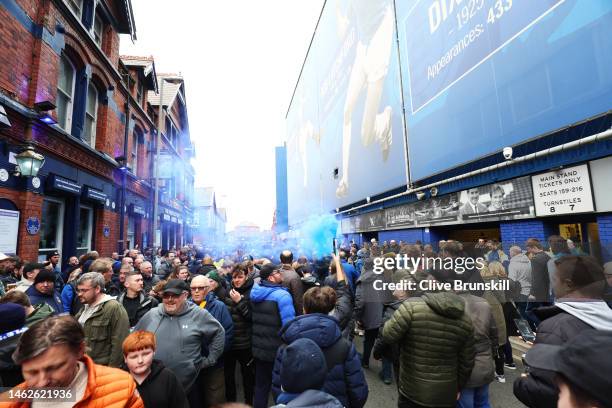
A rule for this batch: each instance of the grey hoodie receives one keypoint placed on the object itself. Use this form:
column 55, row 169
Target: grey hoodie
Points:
column 595, row 313
column 186, row 342
column 519, row 270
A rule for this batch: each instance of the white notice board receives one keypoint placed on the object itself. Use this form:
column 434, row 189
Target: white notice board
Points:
column 564, row 191
column 9, row 227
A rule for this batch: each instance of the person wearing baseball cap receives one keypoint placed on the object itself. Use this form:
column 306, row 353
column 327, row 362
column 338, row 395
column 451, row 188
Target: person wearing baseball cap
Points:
column 183, row 332
column 582, row 367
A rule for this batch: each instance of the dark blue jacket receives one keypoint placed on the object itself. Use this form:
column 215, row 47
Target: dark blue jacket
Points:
column 36, row 298
column 345, row 380
column 272, row 307
column 221, row 313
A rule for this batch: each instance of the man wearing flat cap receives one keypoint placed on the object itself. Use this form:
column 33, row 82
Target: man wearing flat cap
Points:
column 189, row 338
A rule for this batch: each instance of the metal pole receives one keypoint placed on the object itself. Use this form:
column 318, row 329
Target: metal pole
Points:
column 156, row 165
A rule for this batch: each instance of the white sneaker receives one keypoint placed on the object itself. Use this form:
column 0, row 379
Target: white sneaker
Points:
column 385, row 136
column 500, row 378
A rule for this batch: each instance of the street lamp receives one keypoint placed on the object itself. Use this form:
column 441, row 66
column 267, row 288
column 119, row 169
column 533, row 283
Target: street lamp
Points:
column 29, row 162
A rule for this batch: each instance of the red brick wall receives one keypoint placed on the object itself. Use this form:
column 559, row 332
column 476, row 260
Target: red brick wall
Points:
column 29, row 205
column 106, row 245
column 16, row 44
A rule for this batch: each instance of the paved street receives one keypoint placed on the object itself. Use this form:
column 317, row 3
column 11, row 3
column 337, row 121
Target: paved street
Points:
column 385, row 396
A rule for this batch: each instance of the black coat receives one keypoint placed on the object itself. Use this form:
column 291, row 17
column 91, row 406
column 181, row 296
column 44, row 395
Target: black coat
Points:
column 540, row 282
column 146, row 303
column 10, row 373
column 538, row 389
column 162, row 389
column 242, row 316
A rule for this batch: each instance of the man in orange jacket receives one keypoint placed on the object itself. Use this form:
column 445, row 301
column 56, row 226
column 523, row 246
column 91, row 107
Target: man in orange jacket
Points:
column 52, row 356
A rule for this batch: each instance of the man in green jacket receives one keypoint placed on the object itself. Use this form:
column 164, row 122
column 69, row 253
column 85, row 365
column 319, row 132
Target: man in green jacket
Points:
column 33, row 313
column 436, row 340
column 104, row 320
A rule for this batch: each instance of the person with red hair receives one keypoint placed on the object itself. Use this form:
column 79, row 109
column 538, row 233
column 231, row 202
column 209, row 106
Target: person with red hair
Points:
column 158, row 386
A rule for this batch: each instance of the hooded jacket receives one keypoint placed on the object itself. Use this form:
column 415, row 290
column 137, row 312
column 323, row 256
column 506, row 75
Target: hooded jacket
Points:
column 309, row 399
column 272, row 307
column 436, row 339
column 37, row 298
column 186, row 342
column 105, row 331
column 560, row 323
column 242, row 316
column 345, row 380
column 40, row 312
column 520, row 270
column 161, row 388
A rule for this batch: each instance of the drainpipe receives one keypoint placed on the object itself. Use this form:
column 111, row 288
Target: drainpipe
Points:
column 156, row 165
column 121, row 243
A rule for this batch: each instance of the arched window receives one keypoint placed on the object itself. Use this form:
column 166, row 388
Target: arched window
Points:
column 91, row 115
column 65, row 93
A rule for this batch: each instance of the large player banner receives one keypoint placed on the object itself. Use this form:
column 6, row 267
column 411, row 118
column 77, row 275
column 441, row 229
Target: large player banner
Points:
column 480, row 75
column 345, row 138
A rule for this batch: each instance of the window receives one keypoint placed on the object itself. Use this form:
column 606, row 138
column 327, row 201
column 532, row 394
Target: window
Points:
column 85, row 230
column 98, row 30
column 130, row 232
column 134, row 154
column 91, row 114
column 52, row 225
column 65, row 93
column 140, row 93
column 76, row 6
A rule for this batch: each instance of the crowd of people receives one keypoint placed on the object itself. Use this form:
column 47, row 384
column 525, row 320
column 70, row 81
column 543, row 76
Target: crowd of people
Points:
column 181, row 328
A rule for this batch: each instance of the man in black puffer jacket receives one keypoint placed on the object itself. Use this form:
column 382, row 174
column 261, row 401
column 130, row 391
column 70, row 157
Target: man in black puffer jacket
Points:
column 239, row 305
column 272, row 308
column 579, row 285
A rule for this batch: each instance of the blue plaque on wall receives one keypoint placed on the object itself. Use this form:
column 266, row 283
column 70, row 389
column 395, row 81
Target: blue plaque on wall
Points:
column 33, row 225
column 106, row 231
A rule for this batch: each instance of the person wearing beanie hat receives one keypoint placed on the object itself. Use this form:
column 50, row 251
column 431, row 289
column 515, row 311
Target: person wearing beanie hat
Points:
column 218, row 284
column 43, row 291
column 302, row 373
column 12, row 325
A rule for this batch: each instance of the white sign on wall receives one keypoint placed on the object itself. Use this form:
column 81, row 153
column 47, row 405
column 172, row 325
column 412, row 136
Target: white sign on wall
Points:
column 9, row 227
column 564, row 191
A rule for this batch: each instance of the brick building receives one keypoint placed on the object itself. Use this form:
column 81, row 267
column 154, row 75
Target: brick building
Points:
column 68, row 94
